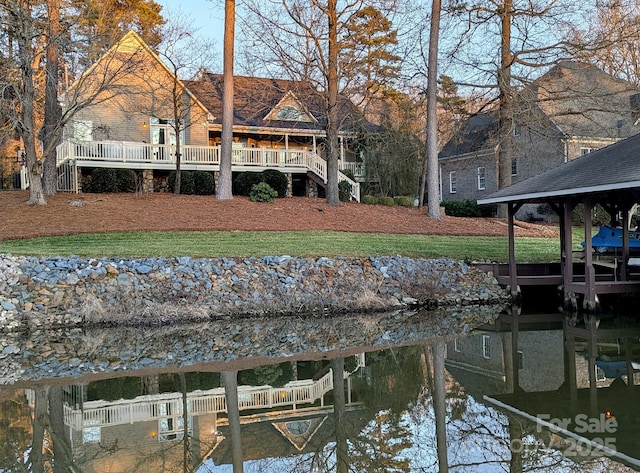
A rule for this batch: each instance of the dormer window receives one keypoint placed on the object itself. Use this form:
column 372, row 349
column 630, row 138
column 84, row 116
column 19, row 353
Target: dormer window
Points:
column 290, row 109
column 289, row 113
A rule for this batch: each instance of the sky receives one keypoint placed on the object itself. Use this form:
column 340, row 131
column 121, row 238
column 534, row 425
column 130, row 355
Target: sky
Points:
column 206, row 16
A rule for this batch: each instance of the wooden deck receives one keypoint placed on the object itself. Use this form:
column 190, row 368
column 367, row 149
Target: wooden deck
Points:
column 135, row 155
column 607, row 277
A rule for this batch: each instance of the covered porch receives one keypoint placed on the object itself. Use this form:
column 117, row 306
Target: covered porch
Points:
column 609, row 177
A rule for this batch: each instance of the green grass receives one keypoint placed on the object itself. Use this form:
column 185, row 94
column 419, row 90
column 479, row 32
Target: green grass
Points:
column 294, row 243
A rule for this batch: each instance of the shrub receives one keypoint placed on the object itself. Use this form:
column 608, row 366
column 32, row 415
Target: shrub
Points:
column 349, row 173
column 344, row 191
column 127, row 180
column 103, row 180
column 245, row 181
column 403, row 201
column 599, row 216
column 187, row 183
column 369, row 199
column 262, row 192
column 461, row 208
column 277, row 180
column 204, row 183
column 388, row 201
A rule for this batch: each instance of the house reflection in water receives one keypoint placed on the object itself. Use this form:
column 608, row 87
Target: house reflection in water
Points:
column 553, row 370
column 150, row 430
column 434, row 405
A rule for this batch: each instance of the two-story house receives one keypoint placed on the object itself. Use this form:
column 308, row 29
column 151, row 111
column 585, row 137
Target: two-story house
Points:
column 131, row 123
column 569, row 111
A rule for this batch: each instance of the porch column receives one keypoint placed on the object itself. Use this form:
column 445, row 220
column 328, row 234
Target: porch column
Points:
column 625, row 244
column 589, row 274
column 570, row 377
column 147, row 180
column 567, row 265
column 341, row 139
column 592, row 348
column 77, row 177
column 289, row 184
column 315, row 147
column 628, row 354
column 513, row 276
column 286, row 141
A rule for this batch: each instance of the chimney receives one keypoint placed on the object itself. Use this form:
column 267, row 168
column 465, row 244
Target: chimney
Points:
column 634, row 102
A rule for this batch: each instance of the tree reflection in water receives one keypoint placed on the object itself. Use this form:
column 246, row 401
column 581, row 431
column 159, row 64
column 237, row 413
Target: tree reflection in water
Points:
column 404, row 409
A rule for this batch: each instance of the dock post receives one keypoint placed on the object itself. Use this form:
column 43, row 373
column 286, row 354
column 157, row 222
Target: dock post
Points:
column 590, row 298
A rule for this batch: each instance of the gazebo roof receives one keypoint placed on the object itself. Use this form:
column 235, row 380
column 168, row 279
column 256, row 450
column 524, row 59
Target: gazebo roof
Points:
column 613, row 168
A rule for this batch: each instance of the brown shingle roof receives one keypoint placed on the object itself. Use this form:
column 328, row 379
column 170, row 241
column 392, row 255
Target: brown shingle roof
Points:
column 255, row 97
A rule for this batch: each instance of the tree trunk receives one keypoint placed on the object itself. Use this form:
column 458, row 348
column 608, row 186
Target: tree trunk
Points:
column 22, row 23
column 506, row 109
column 230, row 380
column 339, row 411
column 36, row 457
column 432, row 115
column 440, row 405
column 62, row 457
column 224, row 190
column 333, row 197
column 177, row 184
column 177, row 128
column 187, row 460
column 52, row 111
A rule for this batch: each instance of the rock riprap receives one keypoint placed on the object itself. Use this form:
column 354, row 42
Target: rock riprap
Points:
column 73, row 291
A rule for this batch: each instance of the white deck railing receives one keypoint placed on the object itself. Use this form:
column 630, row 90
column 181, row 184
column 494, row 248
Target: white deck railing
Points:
column 157, row 406
column 153, row 154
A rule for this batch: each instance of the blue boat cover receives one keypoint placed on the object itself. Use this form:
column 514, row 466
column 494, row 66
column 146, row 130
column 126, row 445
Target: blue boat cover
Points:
column 611, row 237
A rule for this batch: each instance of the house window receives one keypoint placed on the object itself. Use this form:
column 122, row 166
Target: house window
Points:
column 486, row 347
column 514, row 166
column 453, row 182
column 517, row 130
column 456, row 345
column 171, row 423
column 91, row 435
column 289, row 113
column 481, row 178
column 83, row 130
column 584, row 151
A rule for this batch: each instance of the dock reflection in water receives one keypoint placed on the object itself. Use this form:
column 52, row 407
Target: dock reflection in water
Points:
column 515, row 395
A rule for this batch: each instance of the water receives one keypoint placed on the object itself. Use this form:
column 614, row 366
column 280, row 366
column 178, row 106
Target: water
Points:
column 503, row 397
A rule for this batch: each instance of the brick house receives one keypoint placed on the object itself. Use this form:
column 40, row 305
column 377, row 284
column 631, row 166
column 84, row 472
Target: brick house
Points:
column 571, row 110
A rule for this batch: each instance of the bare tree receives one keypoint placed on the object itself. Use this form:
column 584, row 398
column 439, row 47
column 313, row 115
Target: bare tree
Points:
column 610, row 39
column 34, row 32
column 531, row 35
column 52, row 110
column 224, row 190
column 184, row 53
column 313, row 42
column 430, row 174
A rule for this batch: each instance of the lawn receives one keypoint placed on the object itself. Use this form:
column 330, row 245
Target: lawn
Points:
column 293, row 243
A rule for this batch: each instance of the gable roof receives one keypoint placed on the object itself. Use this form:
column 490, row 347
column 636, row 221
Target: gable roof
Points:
column 131, row 44
column 613, row 168
column 477, row 133
column 575, row 99
column 256, row 102
column 290, row 109
column 583, row 100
